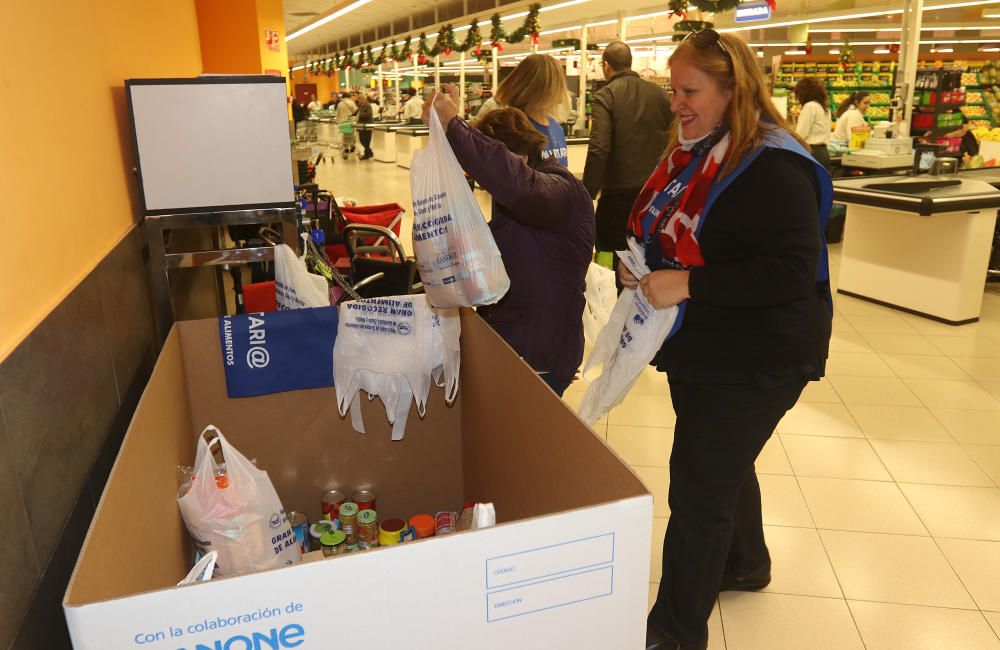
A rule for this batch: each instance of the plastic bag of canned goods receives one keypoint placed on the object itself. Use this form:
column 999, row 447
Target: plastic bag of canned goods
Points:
column 394, row 347
column 231, row 507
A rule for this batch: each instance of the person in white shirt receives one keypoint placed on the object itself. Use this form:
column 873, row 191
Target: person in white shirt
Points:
column 315, row 105
column 850, row 114
column 346, row 108
column 814, row 117
column 413, row 108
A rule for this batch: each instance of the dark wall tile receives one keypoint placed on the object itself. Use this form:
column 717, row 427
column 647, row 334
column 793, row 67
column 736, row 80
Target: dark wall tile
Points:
column 44, row 625
column 112, row 444
column 57, row 391
column 127, row 311
column 19, row 568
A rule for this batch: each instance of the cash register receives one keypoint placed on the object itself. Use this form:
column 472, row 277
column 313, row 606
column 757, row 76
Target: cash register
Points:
column 884, row 149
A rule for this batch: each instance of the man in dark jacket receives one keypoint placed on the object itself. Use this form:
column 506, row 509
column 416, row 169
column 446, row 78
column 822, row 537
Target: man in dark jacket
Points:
column 630, row 132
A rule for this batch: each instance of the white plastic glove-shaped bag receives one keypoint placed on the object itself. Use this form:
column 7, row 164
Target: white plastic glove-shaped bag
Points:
column 626, row 345
column 458, row 259
column 394, row 347
column 239, row 514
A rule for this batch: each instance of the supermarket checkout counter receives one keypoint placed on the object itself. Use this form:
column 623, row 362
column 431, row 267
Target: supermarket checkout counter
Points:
column 577, row 153
column 384, row 140
column 409, row 139
column 919, row 243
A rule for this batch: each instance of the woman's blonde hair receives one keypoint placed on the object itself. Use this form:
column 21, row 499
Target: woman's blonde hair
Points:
column 750, row 113
column 536, row 86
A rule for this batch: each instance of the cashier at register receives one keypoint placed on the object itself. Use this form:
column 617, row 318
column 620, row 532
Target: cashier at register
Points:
column 969, row 146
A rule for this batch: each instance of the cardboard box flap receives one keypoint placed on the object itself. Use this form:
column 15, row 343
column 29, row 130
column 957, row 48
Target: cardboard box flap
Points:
column 137, row 540
column 521, row 435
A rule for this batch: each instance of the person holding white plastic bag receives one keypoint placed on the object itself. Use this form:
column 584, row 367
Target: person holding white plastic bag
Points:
column 732, row 224
column 543, row 224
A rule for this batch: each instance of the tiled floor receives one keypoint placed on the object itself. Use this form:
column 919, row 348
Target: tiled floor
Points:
column 881, row 488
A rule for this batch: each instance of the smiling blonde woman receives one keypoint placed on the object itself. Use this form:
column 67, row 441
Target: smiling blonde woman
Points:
column 730, row 222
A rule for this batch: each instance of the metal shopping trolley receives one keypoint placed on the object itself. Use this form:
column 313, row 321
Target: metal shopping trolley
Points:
column 348, row 138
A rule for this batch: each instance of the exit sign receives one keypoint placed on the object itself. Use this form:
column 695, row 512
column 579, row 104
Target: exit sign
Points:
column 751, row 11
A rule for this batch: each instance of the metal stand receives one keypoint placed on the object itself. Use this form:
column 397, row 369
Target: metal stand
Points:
column 161, row 262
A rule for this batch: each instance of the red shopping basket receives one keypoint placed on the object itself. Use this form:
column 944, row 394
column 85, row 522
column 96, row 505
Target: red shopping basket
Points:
column 259, row 297
column 387, row 215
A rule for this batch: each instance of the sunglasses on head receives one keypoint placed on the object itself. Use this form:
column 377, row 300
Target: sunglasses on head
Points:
column 705, row 39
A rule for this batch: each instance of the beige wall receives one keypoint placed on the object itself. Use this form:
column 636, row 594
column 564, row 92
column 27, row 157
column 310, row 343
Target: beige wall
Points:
column 67, row 193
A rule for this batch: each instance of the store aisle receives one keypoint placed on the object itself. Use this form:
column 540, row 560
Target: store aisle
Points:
column 881, row 489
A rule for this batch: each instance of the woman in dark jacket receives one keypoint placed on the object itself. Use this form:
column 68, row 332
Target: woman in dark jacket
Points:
column 731, row 222
column 365, row 117
column 543, row 223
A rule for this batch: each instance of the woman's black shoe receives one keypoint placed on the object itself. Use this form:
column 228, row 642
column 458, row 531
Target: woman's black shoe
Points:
column 754, row 581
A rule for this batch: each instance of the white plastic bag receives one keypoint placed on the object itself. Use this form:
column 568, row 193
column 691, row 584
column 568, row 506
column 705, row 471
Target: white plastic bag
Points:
column 239, row 516
column 601, row 295
column 295, row 287
column 394, row 347
column 632, row 337
column 458, row 260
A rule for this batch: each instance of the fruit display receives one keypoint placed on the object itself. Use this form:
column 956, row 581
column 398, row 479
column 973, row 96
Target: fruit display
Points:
column 974, row 111
column 989, row 135
column 976, row 124
column 974, row 97
column 877, row 113
column 970, row 79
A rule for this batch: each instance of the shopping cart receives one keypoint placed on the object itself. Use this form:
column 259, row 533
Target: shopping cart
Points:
column 347, row 138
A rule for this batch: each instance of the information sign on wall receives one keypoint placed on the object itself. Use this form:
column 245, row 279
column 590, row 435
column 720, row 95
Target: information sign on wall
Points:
column 273, row 40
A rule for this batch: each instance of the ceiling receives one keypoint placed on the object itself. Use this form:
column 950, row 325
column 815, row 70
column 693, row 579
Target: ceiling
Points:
column 384, row 18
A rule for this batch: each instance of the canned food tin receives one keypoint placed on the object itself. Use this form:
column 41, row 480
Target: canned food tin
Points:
column 391, row 532
column 423, row 525
column 444, row 522
column 349, row 521
column 300, row 525
column 317, row 530
column 331, row 504
column 333, row 543
column 365, row 500
column 367, row 529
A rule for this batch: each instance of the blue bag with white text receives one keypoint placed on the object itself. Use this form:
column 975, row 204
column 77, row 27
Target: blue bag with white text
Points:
column 278, row 351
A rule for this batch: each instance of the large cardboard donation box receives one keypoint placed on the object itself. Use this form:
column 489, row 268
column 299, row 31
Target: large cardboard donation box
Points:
column 566, row 566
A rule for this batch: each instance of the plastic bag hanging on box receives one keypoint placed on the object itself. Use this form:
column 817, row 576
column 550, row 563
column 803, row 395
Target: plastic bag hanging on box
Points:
column 394, row 348
column 295, row 287
column 625, row 346
column 234, row 509
column 457, row 257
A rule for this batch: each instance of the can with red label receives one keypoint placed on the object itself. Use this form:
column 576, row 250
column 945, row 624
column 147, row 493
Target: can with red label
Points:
column 365, row 500
column 367, row 529
column 349, row 521
column 331, row 504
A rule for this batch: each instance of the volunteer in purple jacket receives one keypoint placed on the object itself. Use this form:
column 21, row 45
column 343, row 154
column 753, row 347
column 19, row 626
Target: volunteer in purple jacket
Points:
column 732, row 224
column 543, row 223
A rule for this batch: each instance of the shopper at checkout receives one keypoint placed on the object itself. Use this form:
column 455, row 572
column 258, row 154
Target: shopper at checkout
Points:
column 814, row 122
column 346, row 108
column 851, row 114
column 365, row 116
column 731, row 222
column 543, row 224
column 413, row 108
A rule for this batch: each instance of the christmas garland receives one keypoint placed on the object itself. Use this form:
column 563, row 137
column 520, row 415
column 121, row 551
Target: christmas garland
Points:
column 684, row 27
column 445, row 44
column 530, row 27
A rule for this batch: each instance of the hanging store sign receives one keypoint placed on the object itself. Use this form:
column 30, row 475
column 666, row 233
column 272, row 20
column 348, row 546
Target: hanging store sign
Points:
column 751, row 11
